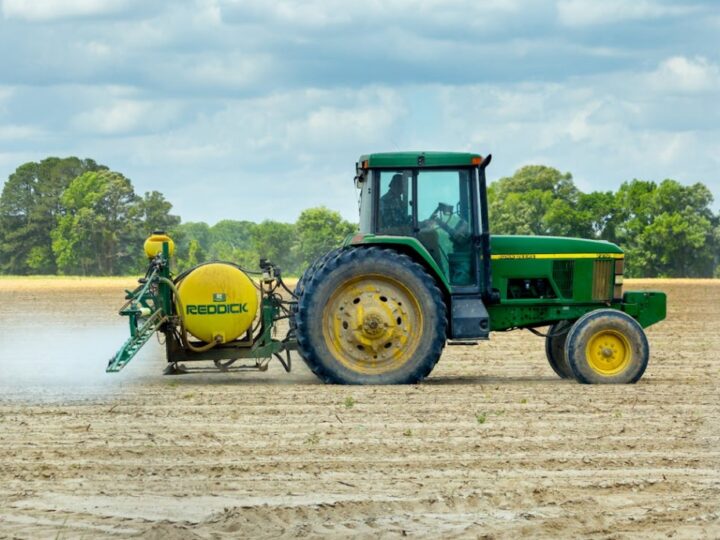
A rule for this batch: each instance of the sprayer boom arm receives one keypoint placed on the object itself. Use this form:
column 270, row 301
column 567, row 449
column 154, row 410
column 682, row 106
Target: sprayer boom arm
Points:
column 147, row 309
column 135, row 343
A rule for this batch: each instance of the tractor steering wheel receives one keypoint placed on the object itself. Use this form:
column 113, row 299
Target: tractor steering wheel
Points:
column 446, row 218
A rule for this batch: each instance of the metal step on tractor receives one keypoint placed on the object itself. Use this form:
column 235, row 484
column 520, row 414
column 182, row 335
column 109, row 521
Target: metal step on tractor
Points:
column 422, row 272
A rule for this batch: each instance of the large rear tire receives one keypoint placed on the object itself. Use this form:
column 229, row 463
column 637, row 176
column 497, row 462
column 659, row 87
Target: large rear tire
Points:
column 306, row 276
column 370, row 316
column 607, row 346
column 555, row 349
column 317, row 263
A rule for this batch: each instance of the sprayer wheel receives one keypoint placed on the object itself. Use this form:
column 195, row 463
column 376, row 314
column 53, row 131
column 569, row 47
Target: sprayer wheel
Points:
column 370, row 316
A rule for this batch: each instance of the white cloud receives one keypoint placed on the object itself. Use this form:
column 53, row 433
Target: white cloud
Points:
column 14, row 133
column 682, row 74
column 318, row 14
column 362, row 118
column 308, row 122
column 125, row 116
column 11, row 160
column 604, row 129
column 311, row 13
column 308, row 137
column 209, row 11
column 579, row 128
column 229, row 71
column 6, row 93
column 592, row 12
column 98, row 48
column 47, row 10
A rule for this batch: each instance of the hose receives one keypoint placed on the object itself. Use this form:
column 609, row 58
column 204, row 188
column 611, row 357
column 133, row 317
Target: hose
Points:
column 181, row 312
column 550, row 335
column 282, row 284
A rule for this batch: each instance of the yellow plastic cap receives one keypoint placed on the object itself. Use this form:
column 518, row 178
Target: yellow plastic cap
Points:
column 219, row 301
column 153, row 245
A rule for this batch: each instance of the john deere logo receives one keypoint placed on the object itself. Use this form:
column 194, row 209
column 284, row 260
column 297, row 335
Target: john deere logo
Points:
column 219, row 297
column 215, row 309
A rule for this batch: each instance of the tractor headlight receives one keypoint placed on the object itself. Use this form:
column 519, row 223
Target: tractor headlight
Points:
column 618, row 284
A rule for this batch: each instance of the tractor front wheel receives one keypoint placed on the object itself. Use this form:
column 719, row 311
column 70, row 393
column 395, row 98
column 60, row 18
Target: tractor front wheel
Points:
column 607, row 346
column 370, row 316
column 555, row 349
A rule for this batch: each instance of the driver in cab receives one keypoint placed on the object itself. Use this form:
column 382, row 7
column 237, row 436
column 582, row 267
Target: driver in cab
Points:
column 394, row 218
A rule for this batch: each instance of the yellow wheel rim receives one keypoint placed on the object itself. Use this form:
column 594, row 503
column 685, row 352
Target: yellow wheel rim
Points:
column 608, row 352
column 372, row 324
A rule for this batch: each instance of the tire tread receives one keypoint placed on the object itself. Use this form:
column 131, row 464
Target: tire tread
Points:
column 334, row 260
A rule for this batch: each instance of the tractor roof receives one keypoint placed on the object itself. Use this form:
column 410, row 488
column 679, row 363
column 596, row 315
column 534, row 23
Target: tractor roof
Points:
column 422, row 159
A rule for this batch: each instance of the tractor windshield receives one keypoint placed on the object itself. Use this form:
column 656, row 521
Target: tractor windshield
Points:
column 444, row 218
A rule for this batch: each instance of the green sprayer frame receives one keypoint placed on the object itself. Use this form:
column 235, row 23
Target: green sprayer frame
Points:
column 150, row 308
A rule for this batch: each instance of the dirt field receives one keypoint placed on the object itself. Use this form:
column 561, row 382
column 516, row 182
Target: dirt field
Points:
column 491, row 445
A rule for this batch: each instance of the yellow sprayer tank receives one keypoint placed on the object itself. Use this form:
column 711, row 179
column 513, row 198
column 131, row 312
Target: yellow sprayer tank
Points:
column 218, row 300
column 154, row 242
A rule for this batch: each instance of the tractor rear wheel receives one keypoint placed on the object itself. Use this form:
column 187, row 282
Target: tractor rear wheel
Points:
column 555, row 349
column 370, row 316
column 317, row 263
column 607, row 346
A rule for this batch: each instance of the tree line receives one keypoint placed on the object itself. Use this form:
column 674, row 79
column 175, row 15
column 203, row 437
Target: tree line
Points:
column 74, row 216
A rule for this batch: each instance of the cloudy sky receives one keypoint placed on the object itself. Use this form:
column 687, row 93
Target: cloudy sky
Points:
column 248, row 109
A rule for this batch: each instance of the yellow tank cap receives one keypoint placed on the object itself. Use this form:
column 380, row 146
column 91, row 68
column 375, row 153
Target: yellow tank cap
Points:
column 154, row 242
column 218, row 299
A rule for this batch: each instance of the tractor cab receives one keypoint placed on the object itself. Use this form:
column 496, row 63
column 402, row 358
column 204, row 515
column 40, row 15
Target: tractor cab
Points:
column 437, row 199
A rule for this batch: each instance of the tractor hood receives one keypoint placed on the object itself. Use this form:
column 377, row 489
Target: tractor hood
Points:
column 529, row 246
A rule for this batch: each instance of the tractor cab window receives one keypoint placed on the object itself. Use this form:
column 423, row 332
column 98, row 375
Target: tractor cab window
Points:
column 395, row 208
column 444, row 217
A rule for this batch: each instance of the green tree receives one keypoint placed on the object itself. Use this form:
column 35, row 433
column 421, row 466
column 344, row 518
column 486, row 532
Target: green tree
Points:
column 542, row 200
column 318, row 231
column 155, row 213
column 30, row 205
column 529, row 201
column 196, row 254
column 274, row 240
column 591, row 215
column 235, row 234
column 183, row 235
column 667, row 229
column 100, row 230
column 232, row 240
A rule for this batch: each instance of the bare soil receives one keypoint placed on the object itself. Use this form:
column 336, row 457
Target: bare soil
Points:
column 493, row 444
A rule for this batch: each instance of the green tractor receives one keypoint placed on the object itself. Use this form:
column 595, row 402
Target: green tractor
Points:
column 423, row 271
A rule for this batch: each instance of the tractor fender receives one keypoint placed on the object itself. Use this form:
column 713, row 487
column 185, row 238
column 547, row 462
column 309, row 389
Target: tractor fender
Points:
column 409, row 246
